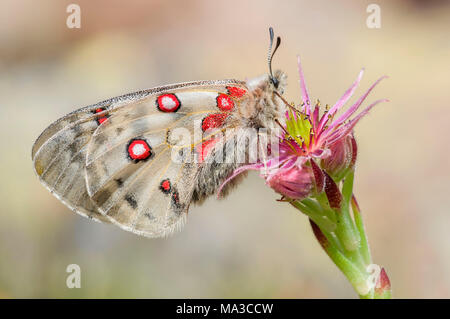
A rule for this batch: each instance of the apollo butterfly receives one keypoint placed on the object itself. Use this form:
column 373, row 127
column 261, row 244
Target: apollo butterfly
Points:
column 113, row 161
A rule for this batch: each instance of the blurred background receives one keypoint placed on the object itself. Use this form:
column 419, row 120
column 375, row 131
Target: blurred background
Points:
column 249, row 245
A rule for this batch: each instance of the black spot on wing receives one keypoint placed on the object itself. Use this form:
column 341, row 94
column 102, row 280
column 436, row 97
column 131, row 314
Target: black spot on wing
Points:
column 177, row 206
column 149, row 216
column 119, row 182
column 131, row 200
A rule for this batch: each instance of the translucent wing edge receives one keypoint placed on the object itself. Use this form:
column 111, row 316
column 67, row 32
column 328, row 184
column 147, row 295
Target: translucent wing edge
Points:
column 76, row 210
column 175, row 227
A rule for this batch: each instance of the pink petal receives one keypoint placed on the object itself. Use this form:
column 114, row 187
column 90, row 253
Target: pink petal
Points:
column 289, row 163
column 346, row 129
column 320, row 153
column 315, row 118
column 353, row 108
column 305, row 96
column 344, row 98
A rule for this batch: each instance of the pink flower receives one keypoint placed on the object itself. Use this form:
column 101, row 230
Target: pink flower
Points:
column 295, row 182
column 325, row 129
column 342, row 157
column 313, row 134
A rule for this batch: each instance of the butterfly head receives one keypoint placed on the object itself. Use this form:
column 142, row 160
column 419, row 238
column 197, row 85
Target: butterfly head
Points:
column 269, row 83
column 278, row 81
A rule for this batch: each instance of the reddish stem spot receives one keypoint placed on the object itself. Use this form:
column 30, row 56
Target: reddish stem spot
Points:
column 333, row 193
column 354, row 151
column 323, row 241
column 383, row 284
column 318, row 176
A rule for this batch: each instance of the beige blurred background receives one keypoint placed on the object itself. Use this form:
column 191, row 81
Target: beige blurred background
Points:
column 249, row 245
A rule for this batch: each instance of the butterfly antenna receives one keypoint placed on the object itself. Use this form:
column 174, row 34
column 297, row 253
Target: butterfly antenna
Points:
column 271, row 54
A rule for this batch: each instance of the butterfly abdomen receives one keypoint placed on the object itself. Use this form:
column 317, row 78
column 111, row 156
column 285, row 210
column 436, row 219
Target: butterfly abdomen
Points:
column 211, row 175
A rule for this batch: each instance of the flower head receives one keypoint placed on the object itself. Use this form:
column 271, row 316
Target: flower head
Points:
column 295, row 182
column 316, row 130
column 313, row 134
column 342, row 157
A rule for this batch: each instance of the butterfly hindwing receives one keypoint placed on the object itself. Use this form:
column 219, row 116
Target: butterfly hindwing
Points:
column 59, row 156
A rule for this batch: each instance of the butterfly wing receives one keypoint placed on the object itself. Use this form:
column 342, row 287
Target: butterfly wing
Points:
column 59, row 154
column 134, row 172
column 77, row 158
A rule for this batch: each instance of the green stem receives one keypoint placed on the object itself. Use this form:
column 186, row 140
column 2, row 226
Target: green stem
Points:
column 365, row 250
column 356, row 277
column 346, row 229
column 315, row 205
column 315, row 215
column 343, row 237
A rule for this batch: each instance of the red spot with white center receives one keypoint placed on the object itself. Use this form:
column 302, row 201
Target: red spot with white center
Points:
column 224, row 102
column 204, row 148
column 165, row 186
column 236, row 92
column 139, row 150
column 168, row 103
column 213, row 121
column 102, row 119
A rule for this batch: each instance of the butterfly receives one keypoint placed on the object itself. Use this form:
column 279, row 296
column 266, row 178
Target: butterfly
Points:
column 113, row 161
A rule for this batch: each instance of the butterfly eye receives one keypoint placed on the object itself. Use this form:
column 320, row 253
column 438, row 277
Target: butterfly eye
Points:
column 275, row 82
